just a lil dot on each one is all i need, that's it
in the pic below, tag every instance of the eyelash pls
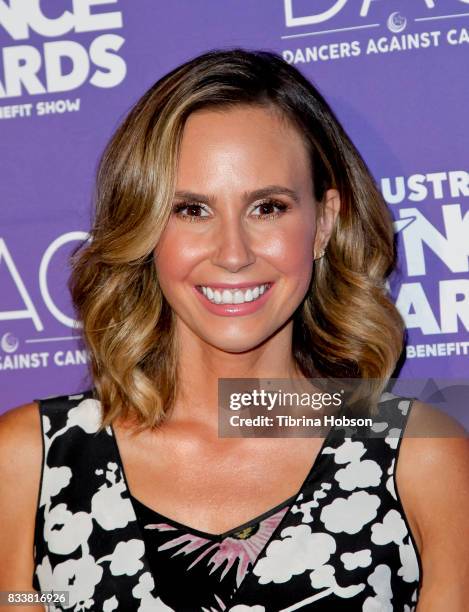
(177, 208)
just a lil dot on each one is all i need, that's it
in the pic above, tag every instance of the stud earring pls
(321, 254)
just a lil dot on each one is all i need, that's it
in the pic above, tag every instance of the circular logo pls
(396, 22)
(9, 343)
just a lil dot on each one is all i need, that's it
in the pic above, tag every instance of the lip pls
(230, 310)
(233, 287)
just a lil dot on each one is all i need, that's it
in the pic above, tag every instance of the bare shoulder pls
(20, 437)
(20, 473)
(433, 481)
(434, 456)
(25, 415)
(20, 430)
(427, 421)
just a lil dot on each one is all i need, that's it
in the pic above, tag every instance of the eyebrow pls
(247, 195)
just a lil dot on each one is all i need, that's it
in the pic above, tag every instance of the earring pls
(321, 254)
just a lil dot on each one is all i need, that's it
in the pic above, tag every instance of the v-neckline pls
(287, 513)
(216, 537)
(145, 559)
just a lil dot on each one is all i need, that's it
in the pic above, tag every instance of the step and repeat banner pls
(395, 72)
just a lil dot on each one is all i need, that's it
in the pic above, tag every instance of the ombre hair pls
(346, 327)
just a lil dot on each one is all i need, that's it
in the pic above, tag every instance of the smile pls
(237, 295)
(234, 301)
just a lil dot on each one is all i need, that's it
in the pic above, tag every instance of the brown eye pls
(194, 211)
(270, 209)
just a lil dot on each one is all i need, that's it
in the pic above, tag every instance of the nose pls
(232, 246)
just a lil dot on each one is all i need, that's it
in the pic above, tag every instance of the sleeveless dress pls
(341, 544)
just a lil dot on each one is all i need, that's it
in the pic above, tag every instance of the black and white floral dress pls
(341, 544)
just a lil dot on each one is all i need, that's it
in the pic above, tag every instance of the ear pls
(325, 220)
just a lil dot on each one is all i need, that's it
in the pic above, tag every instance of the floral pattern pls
(343, 543)
(187, 557)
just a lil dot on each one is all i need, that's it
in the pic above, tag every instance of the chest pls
(215, 487)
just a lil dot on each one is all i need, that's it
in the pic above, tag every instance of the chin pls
(236, 345)
(233, 347)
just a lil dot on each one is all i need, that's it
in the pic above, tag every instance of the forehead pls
(249, 143)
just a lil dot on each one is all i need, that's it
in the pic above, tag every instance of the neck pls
(202, 365)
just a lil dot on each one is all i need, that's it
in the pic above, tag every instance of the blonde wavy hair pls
(346, 327)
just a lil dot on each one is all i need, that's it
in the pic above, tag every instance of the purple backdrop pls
(395, 74)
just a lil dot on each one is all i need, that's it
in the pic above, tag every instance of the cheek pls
(175, 255)
(292, 249)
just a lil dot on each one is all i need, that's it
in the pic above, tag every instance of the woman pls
(238, 234)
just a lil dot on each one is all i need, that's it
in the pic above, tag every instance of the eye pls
(266, 205)
(194, 211)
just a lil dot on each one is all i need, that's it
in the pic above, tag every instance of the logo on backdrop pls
(433, 237)
(50, 50)
(341, 29)
(29, 345)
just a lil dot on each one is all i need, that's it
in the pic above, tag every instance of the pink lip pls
(231, 286)
(229, 310)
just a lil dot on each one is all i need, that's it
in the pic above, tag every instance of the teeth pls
(237, 296)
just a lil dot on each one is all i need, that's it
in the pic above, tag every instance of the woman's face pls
(243, 227)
